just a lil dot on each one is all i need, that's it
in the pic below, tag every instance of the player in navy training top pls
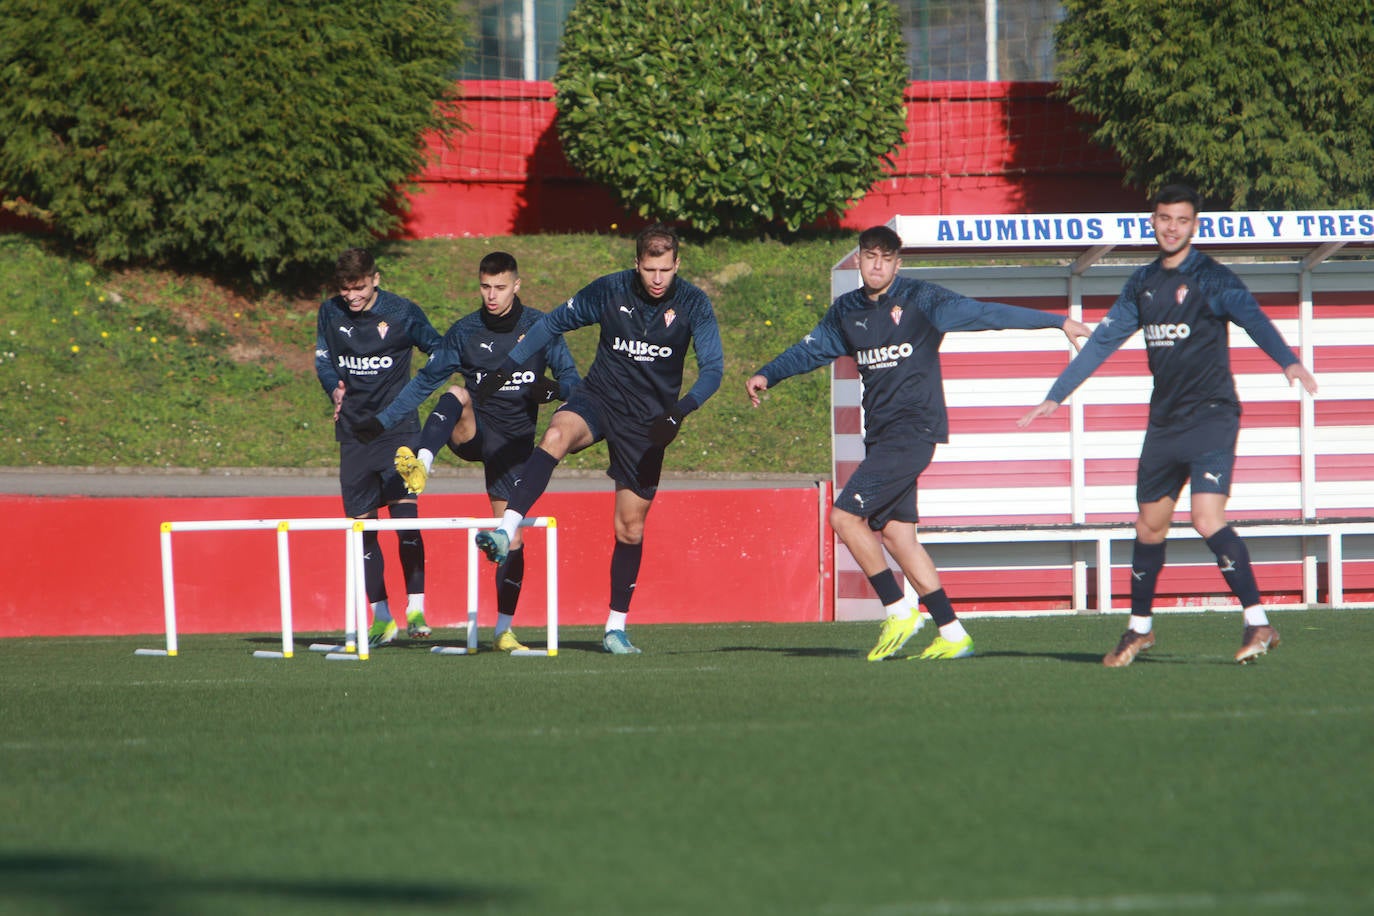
(648, 318)
(498, 433)
(1184, 301)
(364, 337)
(893, 327)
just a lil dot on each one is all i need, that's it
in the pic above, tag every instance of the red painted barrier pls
(968, 147)
(89, 566)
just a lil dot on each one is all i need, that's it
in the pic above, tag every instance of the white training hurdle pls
(355, 593)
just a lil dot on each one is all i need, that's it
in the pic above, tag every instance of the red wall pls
(88, 566)
(968, 148)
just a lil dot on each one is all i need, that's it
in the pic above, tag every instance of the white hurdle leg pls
(350, 596)
(359, 592)
(169, 610)
(284, 585)
(472, 589)
(552, 551)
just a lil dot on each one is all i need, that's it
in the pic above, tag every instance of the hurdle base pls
(162, 652)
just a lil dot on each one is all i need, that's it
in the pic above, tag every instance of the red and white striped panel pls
(1297, 457)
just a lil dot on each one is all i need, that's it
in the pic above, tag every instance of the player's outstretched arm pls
(1043, 409)
(1297, 372)
(756, 385)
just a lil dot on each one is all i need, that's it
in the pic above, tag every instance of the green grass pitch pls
(750, 769)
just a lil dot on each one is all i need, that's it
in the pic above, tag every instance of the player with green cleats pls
(416, 628)
(943, 648)
(897, 629)
(381, 633)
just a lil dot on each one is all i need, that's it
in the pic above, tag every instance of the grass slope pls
(730, 769)
(152, 368)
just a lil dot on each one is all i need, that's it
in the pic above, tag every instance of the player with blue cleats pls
(649, 319)
(495, 544)
(617, 643)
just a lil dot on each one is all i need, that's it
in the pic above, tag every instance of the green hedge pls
(255, 136)
(732, 114)
(1260, 104)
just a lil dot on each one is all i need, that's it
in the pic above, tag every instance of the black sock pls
(374, 568)
(439, 425)
(1233, 559)
(938, 604)
(534, 479)
(411, 547)
(885, 584)
(1146, 562)
(509, 577)
(625, 559)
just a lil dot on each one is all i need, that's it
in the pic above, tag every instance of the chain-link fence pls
(971, 40)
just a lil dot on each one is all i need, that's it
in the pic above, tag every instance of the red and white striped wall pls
(1299, 458)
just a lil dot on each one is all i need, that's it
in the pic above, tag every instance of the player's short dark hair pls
(654, 240)
(883, 238)
(1176, 194)
(498, 262)
(354, 264)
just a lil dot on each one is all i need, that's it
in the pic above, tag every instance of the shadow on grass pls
(1082, 658)
(81, 883)
(796, 651)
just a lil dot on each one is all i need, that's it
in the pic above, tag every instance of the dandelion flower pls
(75, 348)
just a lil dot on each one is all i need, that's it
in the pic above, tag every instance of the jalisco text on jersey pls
(1164, 335)
(640, 349)
(873, 356)
(364, 363)
(1094, 228)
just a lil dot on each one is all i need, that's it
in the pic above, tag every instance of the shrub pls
(255, 135)
(734, 114)
(1261, 105)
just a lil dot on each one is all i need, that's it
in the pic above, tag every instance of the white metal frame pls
(1103, 537)
(355, 593)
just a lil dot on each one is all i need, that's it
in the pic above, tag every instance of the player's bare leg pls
(631, 513)
(902, 619)
(902, 542)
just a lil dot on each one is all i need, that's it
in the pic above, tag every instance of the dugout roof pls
(1308, 236)
(1037, 254)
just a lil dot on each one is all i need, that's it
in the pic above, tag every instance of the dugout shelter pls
(1040, 520)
